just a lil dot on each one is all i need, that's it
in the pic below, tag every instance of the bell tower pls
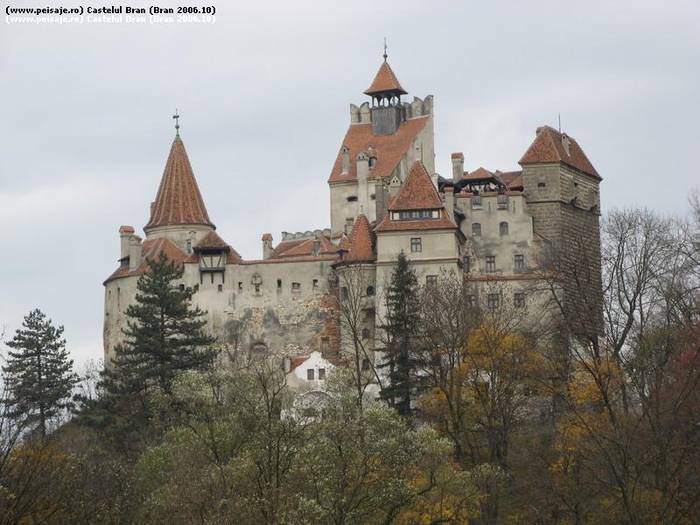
(387, 111)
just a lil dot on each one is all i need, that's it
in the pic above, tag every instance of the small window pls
(541, 185)
(490, 264)
(373, 197)
(503, 229)
(466, 264)
(257, 289)
(296, 287)
(352, 198)
(365, 364)
(476, 201)
(431, 281)
(502, 201)
(416, 245)
(240, 286)
(492, 301)
(365, 333)
(310, 374)
(370, 291)
(314, 283)
(321, 374)
(476, 229)
(279, 284)
(220, 288)
(519, 263)
(189, 245)
(182, 287)
(519, 300)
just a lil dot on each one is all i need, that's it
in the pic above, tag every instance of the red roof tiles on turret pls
(389, 149)
(550, 146)
(361, 242)
(385, 81)
(178, 200)
(417, 192)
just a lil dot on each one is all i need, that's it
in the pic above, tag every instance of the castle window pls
(189, 245)
(372, 162)
(431, 281)
(492, 301)
(279, 284)
(519, 300)
(296, 287)
(373, 197)
(471, 301)
(416, 245)
(490, 264)
(519, 263)
(314, 283)
(466, 263)
(502, 201)
(476, 201)
(321, 374)
(352, 198)
(325, 345)
(541, 185)
(365, 333)
(310, 374)
(503, 229)
(124, 262)
(220, 288)
(240, 286)
(182, 287)
(365, 364)
(349, 221)
(370, 291)
(476, 229)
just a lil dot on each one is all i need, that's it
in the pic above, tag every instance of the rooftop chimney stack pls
(125, 234)
(135, 252)
(457, 167)
(267, 245)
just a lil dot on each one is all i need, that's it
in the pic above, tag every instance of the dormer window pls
(414, 215)
(372, 162)
(212, 261)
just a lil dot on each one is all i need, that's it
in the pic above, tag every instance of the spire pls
(176, 116)
(385, 81)
(178, 200)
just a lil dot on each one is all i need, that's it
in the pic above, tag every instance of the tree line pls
(563, 411)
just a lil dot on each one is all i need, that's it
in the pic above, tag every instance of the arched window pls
(476, 229)
(503, 228)
(370, 290)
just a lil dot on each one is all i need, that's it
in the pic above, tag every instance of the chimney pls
(345, 160)
(135, 252)
(125, 233)
(379, 199)
(287, 364)
(267, 245)
(457, 167)
(450, 202)
(394, 186)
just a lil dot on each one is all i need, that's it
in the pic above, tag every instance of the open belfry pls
(385, 198)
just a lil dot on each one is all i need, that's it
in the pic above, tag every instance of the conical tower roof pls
(360, 242)
(385, 81)
(178, 200)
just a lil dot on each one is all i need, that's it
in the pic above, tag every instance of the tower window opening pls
(352, 198)
(541, 185)
(476, 229)
(490, 264)
(220, 288)
(503, 229)
(279, 284)
(240, 286)
(416, 245)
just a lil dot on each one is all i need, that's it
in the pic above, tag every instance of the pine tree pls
(164, 335)
(38, 374)
(401, 329)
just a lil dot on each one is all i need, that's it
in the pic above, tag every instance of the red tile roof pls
(417, 191)
(152, 248)
(178, 200)
(361, 242)
(212, 241)
(126, 229)
(389, 148)
(479, 173)
(548, 146)
(512, 179)
(303, 248)
(385, 80)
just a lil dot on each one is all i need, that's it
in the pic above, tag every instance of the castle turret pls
(178, 213)
(387, 111)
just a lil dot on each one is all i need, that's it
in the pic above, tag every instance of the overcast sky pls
(263, 95)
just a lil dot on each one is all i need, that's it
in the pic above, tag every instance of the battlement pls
(309, 234)
(362, 114)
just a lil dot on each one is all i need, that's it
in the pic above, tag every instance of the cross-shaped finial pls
(385, 46)
(176, 116)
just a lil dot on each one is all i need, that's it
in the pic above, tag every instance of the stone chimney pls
(380, 199)
(135, 252)
(457, 167)
(450, 202)
(287, 364)
(267, 245)
(362, 165)
(345, 160)
(125, 234)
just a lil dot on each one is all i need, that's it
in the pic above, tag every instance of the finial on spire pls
(176, 116)
(385, 53)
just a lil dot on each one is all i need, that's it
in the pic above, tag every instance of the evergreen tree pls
(38, 374)
(164, 335)
(401, 330)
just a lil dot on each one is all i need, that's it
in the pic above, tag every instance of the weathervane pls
(385, 54)
(176, 116)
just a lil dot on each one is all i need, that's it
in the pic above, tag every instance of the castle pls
(385, 198)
